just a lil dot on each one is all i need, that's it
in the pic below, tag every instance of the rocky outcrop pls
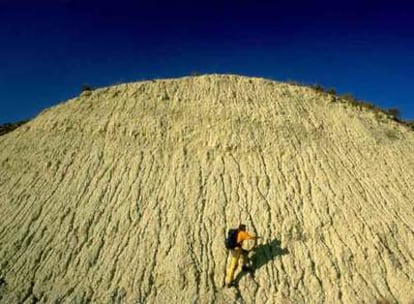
(125, 194)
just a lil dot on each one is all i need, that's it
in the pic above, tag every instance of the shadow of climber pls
(263, 254)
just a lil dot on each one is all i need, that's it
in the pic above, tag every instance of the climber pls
(234, 242)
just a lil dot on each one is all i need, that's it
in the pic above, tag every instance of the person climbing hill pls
(234, 242)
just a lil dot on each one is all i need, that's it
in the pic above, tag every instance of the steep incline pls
(124, 195)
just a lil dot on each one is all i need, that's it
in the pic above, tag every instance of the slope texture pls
(124, 195)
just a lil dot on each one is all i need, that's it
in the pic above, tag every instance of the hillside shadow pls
(263, 254)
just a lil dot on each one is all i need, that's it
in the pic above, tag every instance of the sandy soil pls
(125, 194)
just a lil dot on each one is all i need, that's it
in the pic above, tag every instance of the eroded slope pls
(124, 195)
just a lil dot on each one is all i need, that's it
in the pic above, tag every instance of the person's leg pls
(235, 255)
(245, 260)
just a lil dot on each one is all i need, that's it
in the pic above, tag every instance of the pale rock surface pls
(125, 194)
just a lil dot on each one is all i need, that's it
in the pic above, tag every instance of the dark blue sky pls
(48, 50)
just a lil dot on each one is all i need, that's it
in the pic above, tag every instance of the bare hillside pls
(125, 194)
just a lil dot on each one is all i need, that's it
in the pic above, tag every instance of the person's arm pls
(244, 236)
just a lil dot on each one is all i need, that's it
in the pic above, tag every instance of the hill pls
(124, 195)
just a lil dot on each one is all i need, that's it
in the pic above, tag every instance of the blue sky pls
(48, 50)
